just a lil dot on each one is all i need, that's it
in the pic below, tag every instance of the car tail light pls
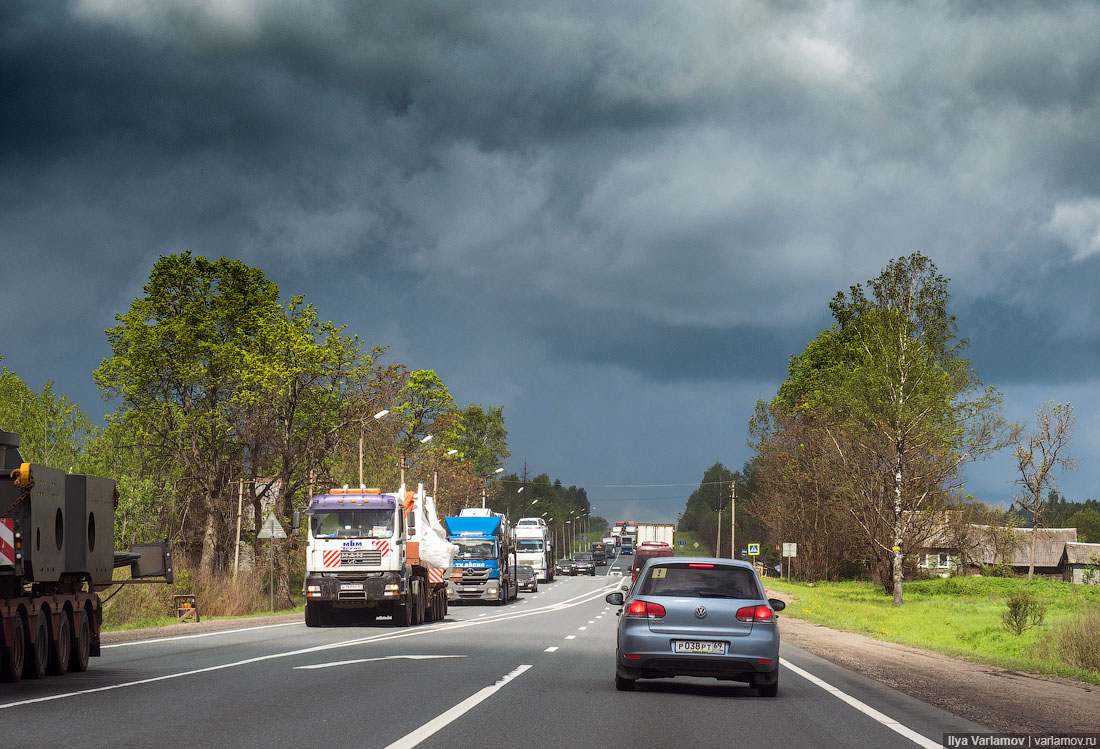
(644, 610)
(755, 614)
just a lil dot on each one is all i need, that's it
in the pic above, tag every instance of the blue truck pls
(484, 567)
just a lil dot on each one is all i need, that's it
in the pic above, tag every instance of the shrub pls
(1077, 641)
(997, 570)
(1024, 612)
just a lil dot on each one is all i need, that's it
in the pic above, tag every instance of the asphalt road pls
(535, 673)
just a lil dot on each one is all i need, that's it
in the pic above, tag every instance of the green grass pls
(689, 548)
(958, 616)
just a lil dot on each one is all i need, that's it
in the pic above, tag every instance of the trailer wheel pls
(82, 643)
(15, 650)
(61, 649)
(35, 666)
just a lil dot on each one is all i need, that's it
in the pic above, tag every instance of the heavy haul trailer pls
(56, 553)
(371, 554)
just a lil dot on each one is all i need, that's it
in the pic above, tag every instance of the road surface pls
(535, 673)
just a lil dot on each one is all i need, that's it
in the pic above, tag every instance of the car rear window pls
(719, 581)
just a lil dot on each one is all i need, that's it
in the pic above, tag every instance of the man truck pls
(56, 553)
(373, 554)
(485, 558)
(534, 547)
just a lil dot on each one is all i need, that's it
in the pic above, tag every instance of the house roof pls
(1078, 553)
(1049, 544)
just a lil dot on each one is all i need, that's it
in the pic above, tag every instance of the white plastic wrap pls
(436, 552)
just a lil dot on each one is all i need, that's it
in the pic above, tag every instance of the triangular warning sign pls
(271, 529)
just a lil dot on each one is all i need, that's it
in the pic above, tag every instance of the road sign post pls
(790, 551)
(271, 529)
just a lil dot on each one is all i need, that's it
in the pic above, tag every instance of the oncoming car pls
(565, 567)
(697, 616)
(527, 578)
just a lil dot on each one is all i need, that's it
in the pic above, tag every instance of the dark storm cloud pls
(643, 187)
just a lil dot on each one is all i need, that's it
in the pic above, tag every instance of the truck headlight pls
(492, 591)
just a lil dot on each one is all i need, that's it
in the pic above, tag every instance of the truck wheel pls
(35, 666)
(402, 612)
(15, 650)
(313, 614)
(82, 643)
(61, 649)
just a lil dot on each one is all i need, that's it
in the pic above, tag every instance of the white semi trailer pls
(535, 547)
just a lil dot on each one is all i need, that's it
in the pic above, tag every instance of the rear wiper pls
(716, 595)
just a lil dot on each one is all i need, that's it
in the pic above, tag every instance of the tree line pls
(228, 396)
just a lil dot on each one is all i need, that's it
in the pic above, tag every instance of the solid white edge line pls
(444, 719)
(886, 720)
(201, 634)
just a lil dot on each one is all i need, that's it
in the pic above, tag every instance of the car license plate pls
(702, 647)
(351, 586)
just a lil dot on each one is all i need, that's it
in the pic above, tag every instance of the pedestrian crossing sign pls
(754, 550)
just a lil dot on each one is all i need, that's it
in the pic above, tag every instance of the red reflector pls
(758, 660)
(638, 656)
(708, 566)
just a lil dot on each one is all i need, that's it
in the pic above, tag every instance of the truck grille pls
(367, 558)
(474, 575)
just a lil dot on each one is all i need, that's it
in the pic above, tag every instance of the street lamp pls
(381, 414)
(485, 481)
(435, 473)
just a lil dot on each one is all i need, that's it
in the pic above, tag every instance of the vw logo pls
(701, 612)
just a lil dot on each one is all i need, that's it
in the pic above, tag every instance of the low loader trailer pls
(57, 554)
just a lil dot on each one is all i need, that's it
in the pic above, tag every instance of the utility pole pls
(733, 510)
(718, 543)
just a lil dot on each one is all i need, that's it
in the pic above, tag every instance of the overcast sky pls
(617, 220)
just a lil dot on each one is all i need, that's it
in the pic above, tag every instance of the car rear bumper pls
(753, 658)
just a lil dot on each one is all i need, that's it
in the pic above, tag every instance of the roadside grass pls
(217, 597)
(689, 549)
(957, 616)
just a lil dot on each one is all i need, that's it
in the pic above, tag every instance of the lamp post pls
(380, 415)
(435, 473)
(484, 483)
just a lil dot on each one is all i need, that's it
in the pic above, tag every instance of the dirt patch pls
(1003, 700)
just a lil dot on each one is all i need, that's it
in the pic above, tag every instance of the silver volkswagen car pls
(698, 616)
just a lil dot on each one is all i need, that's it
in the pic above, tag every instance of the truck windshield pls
(468, 548)
(352, 524)
(528, 545)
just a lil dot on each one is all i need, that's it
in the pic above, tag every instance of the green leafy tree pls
(483, 439)
(1087, 523)
(175, 360)
(52, 429)
(894, 406)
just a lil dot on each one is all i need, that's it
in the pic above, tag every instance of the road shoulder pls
(1004, 700)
